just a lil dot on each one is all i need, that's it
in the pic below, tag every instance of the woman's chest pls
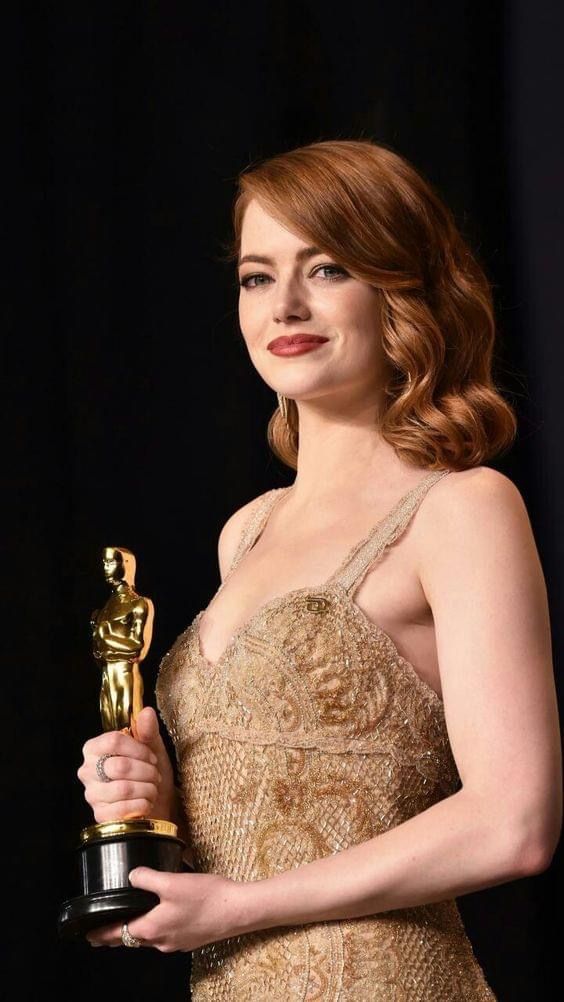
(308, 668)
(389, 596)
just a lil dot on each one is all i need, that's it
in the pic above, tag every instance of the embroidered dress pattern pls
(308, 735)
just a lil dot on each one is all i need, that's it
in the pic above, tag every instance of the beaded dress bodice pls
(311, 734)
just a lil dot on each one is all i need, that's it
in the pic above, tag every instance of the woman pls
(364, 716)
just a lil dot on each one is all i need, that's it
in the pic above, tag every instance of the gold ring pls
(126, 937)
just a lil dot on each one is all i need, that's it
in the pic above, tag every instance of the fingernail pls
(154, 758)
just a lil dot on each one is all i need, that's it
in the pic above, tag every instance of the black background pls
(132, 414)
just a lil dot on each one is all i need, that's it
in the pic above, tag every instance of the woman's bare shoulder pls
(469, 509)
(232, 530)
(466, 491)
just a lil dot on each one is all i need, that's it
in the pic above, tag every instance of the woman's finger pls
(117, 743)
(120, 767)
(121, 790)
(123, 810)
(107, 935)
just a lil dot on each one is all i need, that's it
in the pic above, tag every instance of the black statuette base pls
(107, 896)
(89, 911)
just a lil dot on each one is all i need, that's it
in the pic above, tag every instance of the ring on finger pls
(126, 937)
(100, 771)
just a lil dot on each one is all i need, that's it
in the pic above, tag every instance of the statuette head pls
(119, 565)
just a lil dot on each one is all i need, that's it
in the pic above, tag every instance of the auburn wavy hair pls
(382, 221)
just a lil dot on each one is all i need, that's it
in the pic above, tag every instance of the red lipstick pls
(295, 344)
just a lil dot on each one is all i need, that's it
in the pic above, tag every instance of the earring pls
(283, 406)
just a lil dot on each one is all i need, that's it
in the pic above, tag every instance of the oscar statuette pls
(121, 636)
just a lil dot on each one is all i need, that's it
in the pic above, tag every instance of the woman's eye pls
(332, 267)
(339, 273)
(245, 282)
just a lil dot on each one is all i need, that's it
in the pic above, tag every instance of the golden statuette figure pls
(107, 851)
(121, 636)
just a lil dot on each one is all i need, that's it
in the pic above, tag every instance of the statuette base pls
(106, 855)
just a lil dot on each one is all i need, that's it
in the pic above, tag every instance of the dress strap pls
(357, 562)
(255, 524)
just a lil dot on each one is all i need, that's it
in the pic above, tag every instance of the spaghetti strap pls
(357, 562)
(255, 524)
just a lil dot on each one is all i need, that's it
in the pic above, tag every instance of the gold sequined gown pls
(308, 735)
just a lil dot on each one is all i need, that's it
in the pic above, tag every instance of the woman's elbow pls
(536, 858)
(537, 848)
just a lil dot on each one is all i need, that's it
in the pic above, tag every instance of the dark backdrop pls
(132, 413)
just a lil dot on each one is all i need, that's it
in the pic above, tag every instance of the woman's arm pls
(481, 573)
(480, 570)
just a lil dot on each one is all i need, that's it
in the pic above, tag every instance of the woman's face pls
(308, 294)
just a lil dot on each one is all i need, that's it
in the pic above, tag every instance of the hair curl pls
(385, 224)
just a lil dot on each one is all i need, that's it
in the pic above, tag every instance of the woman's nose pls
(290, 302)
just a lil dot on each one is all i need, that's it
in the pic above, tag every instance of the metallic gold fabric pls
(308, 735)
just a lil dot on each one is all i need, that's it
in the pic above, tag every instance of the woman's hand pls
(194, 909)
(140, 773)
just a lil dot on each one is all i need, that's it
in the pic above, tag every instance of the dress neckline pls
(334, 590)
(272, 499)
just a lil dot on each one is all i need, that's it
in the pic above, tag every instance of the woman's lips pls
(296, 349)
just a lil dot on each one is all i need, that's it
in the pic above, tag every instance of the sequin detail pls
(311, 734)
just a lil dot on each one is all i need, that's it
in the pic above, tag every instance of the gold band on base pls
(137, 826)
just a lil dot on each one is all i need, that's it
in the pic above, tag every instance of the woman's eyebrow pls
(263, 259)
